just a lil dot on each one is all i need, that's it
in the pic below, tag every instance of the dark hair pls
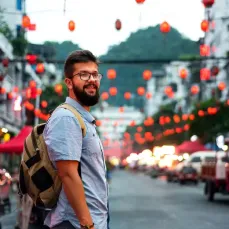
(78, 56)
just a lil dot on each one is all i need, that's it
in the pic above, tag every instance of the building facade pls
(12, 11)
(217, 41)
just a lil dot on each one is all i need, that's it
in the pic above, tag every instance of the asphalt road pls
(138, 202)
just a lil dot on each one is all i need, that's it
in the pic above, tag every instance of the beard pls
(84, 98)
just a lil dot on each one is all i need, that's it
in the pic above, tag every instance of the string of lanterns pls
(164, 27)
(163, 120)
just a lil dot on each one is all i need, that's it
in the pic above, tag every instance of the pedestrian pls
(83, 201)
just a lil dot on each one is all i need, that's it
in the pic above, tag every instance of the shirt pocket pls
(91, 146)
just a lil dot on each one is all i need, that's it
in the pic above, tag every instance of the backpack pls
(38, 177)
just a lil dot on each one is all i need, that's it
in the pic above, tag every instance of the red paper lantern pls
(183, 73)
(58, 88)
(140, 1)
(147, 74)
(44, 103)
(221, 86)
(71, 25)
(98, 123)
(118, 24)
(205, 50)
(113, 91)
(121, 109)
(10, 95)
(127, 95)
(161, 120)
(111, 74)
(40, 68)
(33, 92)
(204, 25)
(5, 62)
(141, 91)
(25, 21)
(208, 3)
(192, 117)
(105, 95)
(32, 84)
(16, 89)
(150, 121)
(2, 90)
(205, 74)
(39, 91)
(212, 110)
(168, 90)
(176, 118)
(148, 95)
(132, 123)
(195, 89)
(37, 112)
(201, 113)
(31, 59)
(165, 27)
(214, 71)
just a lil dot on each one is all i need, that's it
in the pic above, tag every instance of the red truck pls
(215, 173)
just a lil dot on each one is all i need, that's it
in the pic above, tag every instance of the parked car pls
(172, 174)
(188, 174)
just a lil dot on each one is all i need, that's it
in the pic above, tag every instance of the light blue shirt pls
(63, 137)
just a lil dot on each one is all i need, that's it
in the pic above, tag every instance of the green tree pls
(209, 126)
(52, 97)
(4, 28)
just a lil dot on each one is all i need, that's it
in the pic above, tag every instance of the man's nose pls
(92, 79)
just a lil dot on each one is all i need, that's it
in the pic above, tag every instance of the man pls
(83, 201)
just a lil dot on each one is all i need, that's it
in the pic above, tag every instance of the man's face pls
(86, 91)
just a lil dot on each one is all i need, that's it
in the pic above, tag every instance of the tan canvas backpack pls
(38, 178)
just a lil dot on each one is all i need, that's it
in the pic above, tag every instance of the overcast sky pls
(95, 20)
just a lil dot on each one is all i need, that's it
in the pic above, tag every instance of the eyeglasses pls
(85, 76)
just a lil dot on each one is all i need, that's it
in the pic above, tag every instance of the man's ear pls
(68, 83)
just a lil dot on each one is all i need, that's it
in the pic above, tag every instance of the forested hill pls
(147, 43)
(150, 43)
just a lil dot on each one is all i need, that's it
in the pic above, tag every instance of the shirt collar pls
(80, 109)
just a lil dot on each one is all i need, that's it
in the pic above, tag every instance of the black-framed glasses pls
(85, 76)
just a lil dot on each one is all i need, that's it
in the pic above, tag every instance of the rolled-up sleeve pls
(63, 137)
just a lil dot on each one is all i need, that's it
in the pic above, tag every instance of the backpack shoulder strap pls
(77, 115)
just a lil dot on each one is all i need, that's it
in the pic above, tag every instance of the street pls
(137, 201)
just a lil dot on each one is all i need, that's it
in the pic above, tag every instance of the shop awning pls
(190, 147)
(15, 145)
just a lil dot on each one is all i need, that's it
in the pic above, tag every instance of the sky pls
(95, 20)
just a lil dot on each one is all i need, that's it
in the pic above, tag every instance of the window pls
(210, 159)
(19, 4)
(188, 170)
(196, 159)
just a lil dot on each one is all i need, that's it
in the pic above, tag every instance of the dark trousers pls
(64, 225)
